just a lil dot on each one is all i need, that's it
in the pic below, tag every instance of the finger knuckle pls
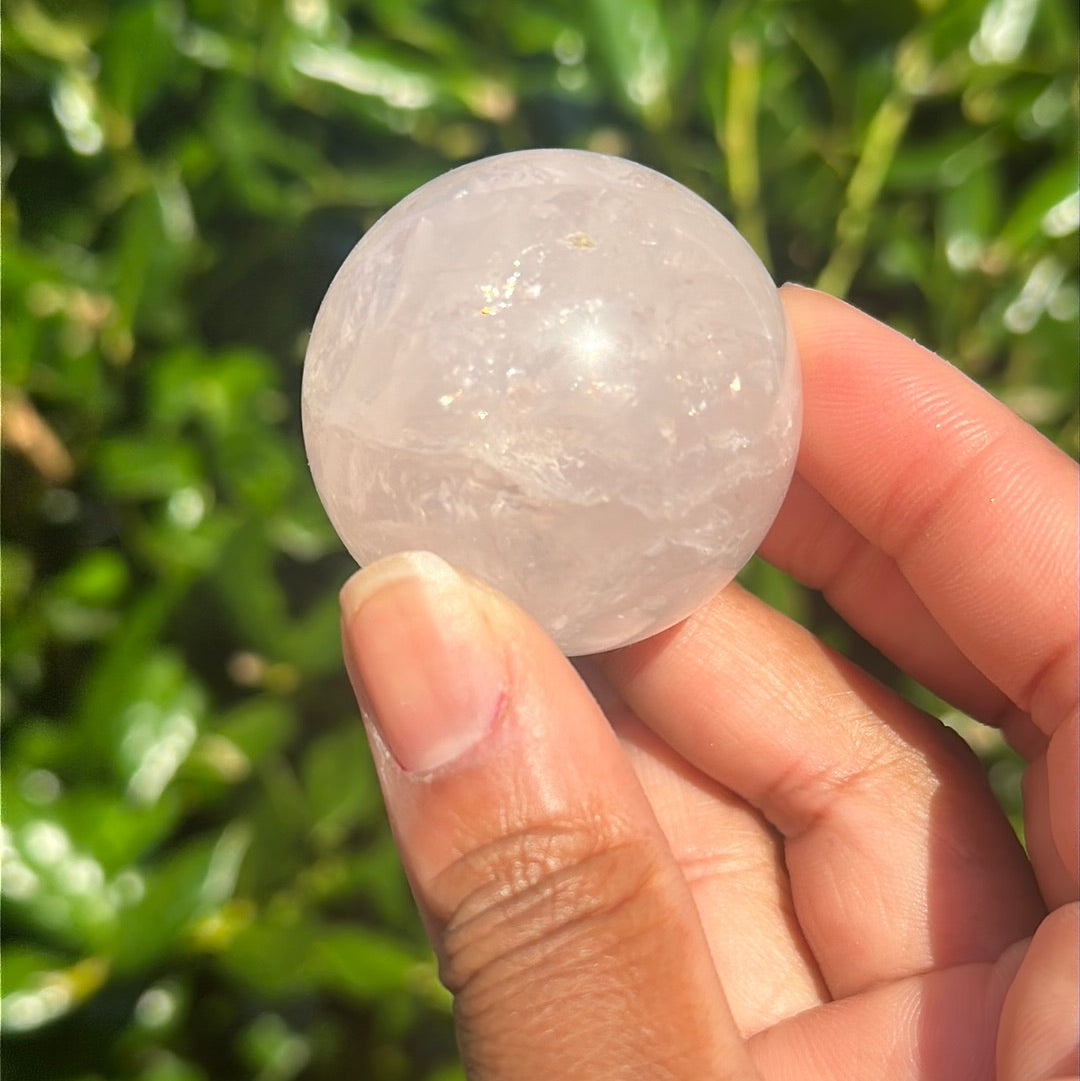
(546, 906)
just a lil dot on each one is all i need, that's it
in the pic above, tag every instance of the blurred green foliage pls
(197, 880)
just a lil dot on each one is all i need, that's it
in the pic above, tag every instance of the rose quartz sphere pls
(566, 374)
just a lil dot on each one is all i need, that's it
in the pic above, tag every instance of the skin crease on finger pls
(733, 861)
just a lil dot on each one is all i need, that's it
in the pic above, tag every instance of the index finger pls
(977, 510)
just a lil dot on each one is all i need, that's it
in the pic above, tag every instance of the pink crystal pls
(566, 374)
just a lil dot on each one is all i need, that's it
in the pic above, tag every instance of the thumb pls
(561, 922)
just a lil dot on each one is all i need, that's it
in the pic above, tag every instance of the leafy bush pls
(198, 881)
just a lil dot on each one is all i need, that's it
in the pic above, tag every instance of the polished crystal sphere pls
(566, 374)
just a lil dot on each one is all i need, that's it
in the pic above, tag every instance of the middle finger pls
(733, 863)
(898, 855)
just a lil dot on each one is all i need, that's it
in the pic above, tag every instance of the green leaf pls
(257, 467)
(969, 215)
(16, 577)
(777, 589)
(146, 467)
(56, 887)
(47, 994)
(273, 959)
(258, 727)
(152, 733)
(220, 390)
(339, 783)
(189, 883)
(250, 586)
(275, 1050)
(77, 604)
(97, 578)
(96, 820)
(285, 959)
(138, 58)
(1027, 226)
(631, 36)
(22, 966)
(128, 649)
(362, 965)
(165, 1066)
(143, 250)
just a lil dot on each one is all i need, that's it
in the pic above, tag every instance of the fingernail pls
(431, 673)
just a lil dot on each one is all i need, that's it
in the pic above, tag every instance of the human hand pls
(762, 863)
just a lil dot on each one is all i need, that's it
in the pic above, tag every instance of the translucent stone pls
(566, 374)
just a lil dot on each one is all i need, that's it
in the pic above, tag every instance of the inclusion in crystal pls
(566, 374)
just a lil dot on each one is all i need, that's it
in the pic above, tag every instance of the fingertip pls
(428, 670)
(795, 293)
(401, 566)
(825, 325)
